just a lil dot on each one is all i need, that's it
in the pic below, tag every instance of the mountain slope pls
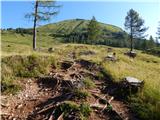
(77, 29)
(67, 26)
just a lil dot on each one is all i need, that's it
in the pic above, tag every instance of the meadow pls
(17, 49)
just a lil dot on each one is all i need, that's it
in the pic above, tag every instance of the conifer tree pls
(93, 30)
(44, 10)
(135, 26)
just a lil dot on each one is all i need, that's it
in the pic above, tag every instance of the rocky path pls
(40, 96)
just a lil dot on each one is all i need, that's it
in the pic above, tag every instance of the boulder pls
(110, 57)
(133, 81)
(87, 53)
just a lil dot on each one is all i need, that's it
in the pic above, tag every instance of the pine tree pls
(93, 30)
(157, 42)
(135, 25)
(158, 31)
(43, 11)
(151, 43)
(145, 44)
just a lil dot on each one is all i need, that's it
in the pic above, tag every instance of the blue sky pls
(12, 12)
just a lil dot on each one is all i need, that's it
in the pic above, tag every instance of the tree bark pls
(34, 27)
(131, 37)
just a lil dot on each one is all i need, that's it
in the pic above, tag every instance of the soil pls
(40, 96)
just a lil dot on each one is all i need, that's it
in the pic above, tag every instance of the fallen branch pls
(60, 117)
(45, 109)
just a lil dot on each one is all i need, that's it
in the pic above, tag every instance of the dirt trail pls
(40, 96)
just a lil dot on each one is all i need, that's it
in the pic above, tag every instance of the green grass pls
(18, 66)
(82, 111)
(17, 49)
(89, 83)
(81, 94)
(13, 43)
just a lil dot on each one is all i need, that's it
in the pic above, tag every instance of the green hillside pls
(67, 26)
(50, 34)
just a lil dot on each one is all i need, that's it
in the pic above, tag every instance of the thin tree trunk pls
(131, 42)
(34, 27)
(131, 37)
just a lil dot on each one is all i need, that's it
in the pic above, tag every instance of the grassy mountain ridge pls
(69, 25)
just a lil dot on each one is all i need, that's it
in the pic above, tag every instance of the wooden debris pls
(109, 101)
(60, 117)
(51, 116)
(45, 109)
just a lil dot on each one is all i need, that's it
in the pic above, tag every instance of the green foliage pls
(45, 10)
(154, 51)
(23, 31)
(135, 25)
(88, 83)
(151, 43)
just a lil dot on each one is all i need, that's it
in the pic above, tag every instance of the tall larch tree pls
(134, 24)
(44, 10)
